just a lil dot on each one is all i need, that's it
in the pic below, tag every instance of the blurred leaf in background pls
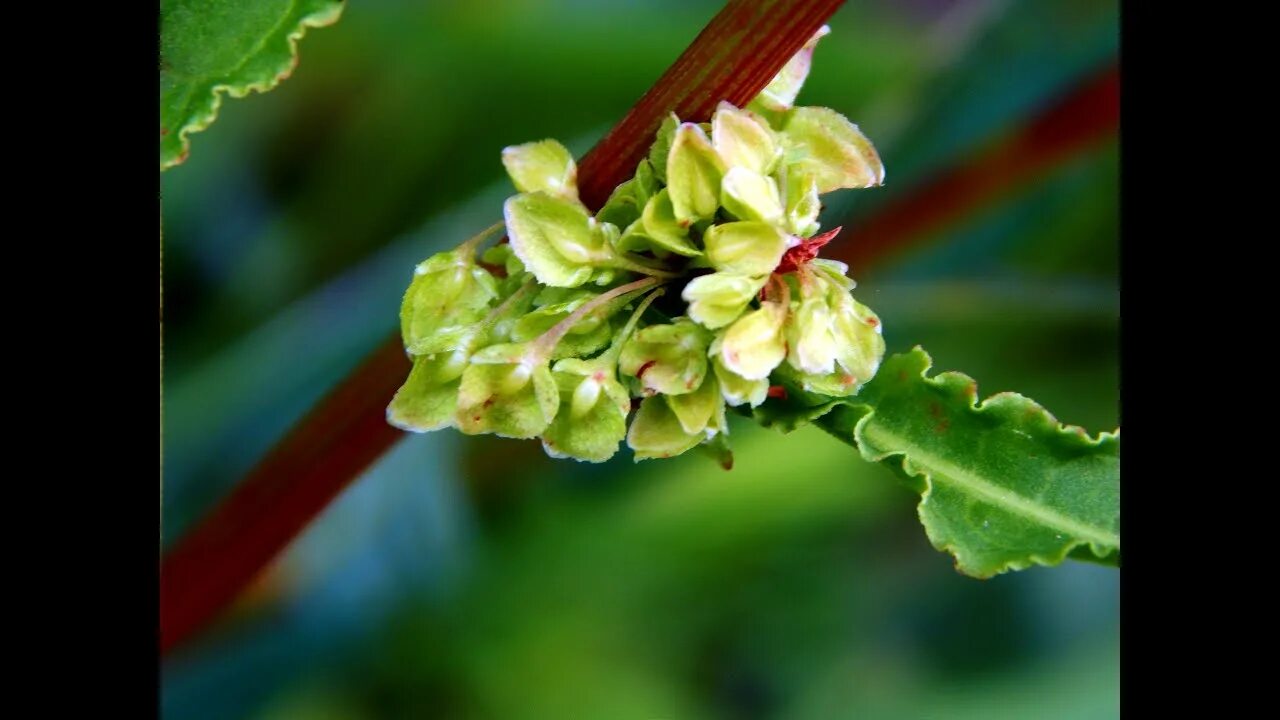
(474, 577)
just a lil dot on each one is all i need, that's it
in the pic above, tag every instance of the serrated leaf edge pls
(1101, 544)
(200, 122)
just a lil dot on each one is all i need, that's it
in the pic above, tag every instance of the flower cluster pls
(552, 334)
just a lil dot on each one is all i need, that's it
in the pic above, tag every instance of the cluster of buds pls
(556, 333)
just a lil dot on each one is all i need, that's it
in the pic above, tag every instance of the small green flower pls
(448, 290)
(508, 389)
(736, 389)
(542, 166)
(744, 140)
(701, 411)
(802, 202)
(661, 149)
(594, 404)
(694, 173)
(745, 248)
(823, 143)
(717, 299)
(656, 431)
(663, 229)
(560, 243)
(754, 344)
(428, 399)
(670, 358)
(811, 340)
(748, 195)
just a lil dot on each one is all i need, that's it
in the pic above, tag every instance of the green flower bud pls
(622, 208)
(744, 140)
(428, 399)
(503, 256)
(669, 359)
(593, 418)
(661, 148)
(555, 239)
(754, 344)
(694, 172)
(560, 243)
(586, 336)
(662, 228)
(745, 248)
(448, 291)
(834, 273)
(507, 390)
(780, 93)
(803, 204)
(718, 299)
(646, 183)
(737, 389)
(701, 411)
(858, 337)
(748, 195)
(542, 166)
(656, 432)
(811, 337)
(823, 143)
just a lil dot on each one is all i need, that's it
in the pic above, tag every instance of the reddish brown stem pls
(734, 57)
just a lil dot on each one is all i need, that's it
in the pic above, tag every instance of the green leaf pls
(1003, 484)
(209, 48)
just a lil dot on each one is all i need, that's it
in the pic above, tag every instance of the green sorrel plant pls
(698, 287)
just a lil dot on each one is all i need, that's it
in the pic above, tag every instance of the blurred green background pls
(476, 578)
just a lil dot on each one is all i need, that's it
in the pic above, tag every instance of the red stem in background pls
(1077, 121)
(734, 57)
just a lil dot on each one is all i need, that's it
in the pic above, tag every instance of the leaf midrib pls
(947, 472)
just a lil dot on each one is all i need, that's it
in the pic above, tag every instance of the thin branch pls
(734, 57)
